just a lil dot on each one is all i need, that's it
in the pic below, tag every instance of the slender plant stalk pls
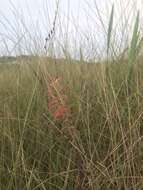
(110, 28)
(133, 50)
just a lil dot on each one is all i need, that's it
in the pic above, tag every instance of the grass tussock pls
(69, 126)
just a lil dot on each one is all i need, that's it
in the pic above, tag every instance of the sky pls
(77, 21)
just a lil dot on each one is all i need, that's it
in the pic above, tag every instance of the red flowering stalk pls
(59, 108)
(57, 103)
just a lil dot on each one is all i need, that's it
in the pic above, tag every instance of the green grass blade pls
(110, 27)
(133, 51)
(134, 42)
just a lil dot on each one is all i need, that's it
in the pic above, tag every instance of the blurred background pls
(81, 26)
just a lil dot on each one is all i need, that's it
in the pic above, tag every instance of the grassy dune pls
(96, 145)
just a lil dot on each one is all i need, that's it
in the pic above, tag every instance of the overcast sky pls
(78, 17)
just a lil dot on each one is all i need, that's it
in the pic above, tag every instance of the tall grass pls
(134, 48)
(110, 30)
(67, 124)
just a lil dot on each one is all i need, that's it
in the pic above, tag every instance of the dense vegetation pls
(96, 144)
(69, 124)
